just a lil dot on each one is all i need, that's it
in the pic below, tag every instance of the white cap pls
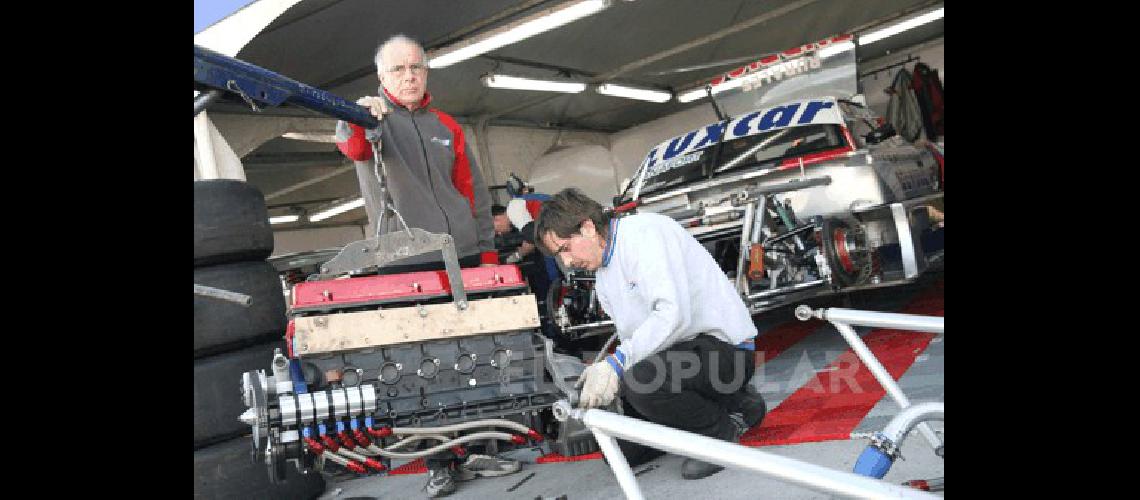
(517, 212)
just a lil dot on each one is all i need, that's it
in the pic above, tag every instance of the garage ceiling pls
(330, 44)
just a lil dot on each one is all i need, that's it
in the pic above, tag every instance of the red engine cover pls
(401, 287)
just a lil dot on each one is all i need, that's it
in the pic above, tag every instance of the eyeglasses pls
(416, 69)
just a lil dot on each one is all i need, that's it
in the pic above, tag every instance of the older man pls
(434, 184)
(431, 172)
(682, 361)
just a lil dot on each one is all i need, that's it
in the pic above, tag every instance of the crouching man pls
(682, 361)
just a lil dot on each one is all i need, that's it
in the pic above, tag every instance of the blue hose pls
(299, 385)
(873, 463)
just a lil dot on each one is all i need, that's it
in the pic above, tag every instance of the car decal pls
(792, 114)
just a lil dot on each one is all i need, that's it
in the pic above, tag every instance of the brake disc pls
(847, 252)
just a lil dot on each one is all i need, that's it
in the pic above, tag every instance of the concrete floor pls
(781, 376)
(660, 478)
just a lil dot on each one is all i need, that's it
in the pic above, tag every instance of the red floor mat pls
(771, 343)
(832, 404)
(554, 458)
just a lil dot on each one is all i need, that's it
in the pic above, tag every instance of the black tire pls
(217, 392)
(227, 471)
(231, 223)
(220, 325)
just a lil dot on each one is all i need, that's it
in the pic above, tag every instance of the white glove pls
(513, 258)
(599, 383)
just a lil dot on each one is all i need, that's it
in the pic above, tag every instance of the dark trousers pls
(691, 386)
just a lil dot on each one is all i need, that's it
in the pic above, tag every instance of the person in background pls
(508, 238)
(500, 220)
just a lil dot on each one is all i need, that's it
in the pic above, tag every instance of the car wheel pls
(222, 325)
(226, 471)
(231, 222)
(217, 391)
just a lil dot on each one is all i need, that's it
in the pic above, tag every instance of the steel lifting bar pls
(257, 84)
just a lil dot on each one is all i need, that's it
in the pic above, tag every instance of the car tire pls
(227, 471)
(217, 391)
(231, 223)
(221, 325)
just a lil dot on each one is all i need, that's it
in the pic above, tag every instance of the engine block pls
(375, 356)
(443, 381)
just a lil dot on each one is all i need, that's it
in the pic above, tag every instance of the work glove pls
(599, 384)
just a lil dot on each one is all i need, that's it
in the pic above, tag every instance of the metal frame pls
(607, 426)
(382, 250)
(844, 318)
(756, 201)
(911, 253)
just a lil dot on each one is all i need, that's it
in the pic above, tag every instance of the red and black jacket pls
(431, 176)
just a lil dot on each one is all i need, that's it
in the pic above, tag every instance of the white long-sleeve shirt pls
(661, 287)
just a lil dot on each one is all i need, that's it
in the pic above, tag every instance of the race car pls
(809, 197)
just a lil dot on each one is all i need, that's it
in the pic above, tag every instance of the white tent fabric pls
(229, 35)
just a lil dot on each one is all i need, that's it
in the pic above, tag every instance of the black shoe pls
(485, 466)
(692, 468)
(750, 405)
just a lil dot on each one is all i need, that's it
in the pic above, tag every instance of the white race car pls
(808, 197)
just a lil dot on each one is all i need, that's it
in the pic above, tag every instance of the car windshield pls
(760, 150)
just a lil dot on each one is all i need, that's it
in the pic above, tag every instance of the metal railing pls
(607, 426)
(844, 318)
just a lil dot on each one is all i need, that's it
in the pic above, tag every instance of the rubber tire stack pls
(232, 239)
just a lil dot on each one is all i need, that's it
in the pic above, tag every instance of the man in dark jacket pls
(431, 172)
(435, 185)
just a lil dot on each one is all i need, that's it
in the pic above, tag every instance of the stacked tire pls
(232, 239)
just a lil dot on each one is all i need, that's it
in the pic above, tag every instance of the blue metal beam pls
(267, 88)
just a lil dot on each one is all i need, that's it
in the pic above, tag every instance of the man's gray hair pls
(400, 38)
